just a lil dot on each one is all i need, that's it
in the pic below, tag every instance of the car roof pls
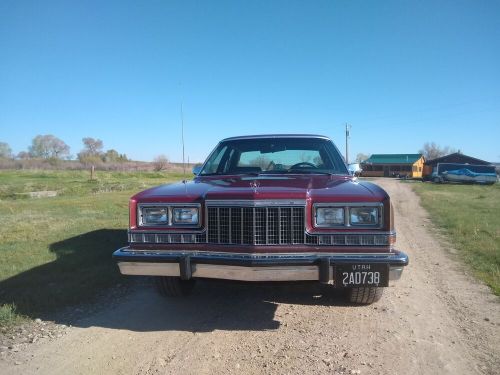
(270, 136)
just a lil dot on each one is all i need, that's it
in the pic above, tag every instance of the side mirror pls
(196, 170)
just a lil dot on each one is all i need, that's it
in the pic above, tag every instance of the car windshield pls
(275, 155)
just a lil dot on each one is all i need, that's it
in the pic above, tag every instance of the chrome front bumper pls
(249, 267)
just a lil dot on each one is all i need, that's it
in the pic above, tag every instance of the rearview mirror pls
(269, 148)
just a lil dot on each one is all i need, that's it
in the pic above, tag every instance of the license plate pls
(361, 274)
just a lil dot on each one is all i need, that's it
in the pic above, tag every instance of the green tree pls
(123, 157)
(111, 156)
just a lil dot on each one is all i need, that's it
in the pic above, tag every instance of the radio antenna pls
(347, 136)
(182, 133)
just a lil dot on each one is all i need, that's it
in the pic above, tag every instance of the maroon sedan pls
(266, 208)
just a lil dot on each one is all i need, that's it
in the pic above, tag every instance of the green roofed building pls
(393, 165)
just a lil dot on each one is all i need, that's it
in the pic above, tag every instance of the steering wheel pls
(303, 164)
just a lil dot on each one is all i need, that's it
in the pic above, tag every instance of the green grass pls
(470, 216)
(77, 183)
(8, 315)
(56, 252)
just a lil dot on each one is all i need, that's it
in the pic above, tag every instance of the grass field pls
(56, 252)
(470, 217)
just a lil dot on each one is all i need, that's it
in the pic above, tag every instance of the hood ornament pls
(254, 185)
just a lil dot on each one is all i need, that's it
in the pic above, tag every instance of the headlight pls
(329, 216)
(185, 215)
(154, 216)
(171, 215)
(364, 216)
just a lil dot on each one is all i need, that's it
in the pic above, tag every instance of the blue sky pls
(400, 72)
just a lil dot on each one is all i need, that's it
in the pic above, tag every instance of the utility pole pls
(182, 130)
(347, 135)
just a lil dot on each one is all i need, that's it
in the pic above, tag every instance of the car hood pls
(318, 188)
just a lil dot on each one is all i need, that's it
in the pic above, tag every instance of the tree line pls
(430, 150)
(49, 147)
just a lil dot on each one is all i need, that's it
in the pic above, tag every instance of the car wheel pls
(364, 295)
(170, 286)
(437, 180)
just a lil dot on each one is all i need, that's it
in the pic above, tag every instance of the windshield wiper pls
(279, 171)
(232, 174)
(302, 171)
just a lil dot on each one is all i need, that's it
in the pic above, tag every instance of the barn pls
(391, 165)
(456, 157)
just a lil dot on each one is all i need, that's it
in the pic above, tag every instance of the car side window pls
(213, 163)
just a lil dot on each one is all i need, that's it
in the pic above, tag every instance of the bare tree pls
(23, 155)
(261, 161)
(304, 158)
(160, 163)
(92, 151)
(432, 150)
(317, 160)
(5, 151)
(361, 157)
(48, 147)
(92, 146)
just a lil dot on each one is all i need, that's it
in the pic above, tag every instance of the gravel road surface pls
(435, 320)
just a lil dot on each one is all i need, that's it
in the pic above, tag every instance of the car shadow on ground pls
(84, 271)
(81, 269)
(214, 305)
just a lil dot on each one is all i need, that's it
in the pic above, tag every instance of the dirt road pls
(436, 320)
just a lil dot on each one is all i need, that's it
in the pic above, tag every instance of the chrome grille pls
(273, 237)
(255, 225)
(166, 238)
(349, 240)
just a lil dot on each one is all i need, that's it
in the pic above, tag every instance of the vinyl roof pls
(392, 159)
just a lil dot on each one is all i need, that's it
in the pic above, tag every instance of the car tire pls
(364, 295)
(170, 286)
